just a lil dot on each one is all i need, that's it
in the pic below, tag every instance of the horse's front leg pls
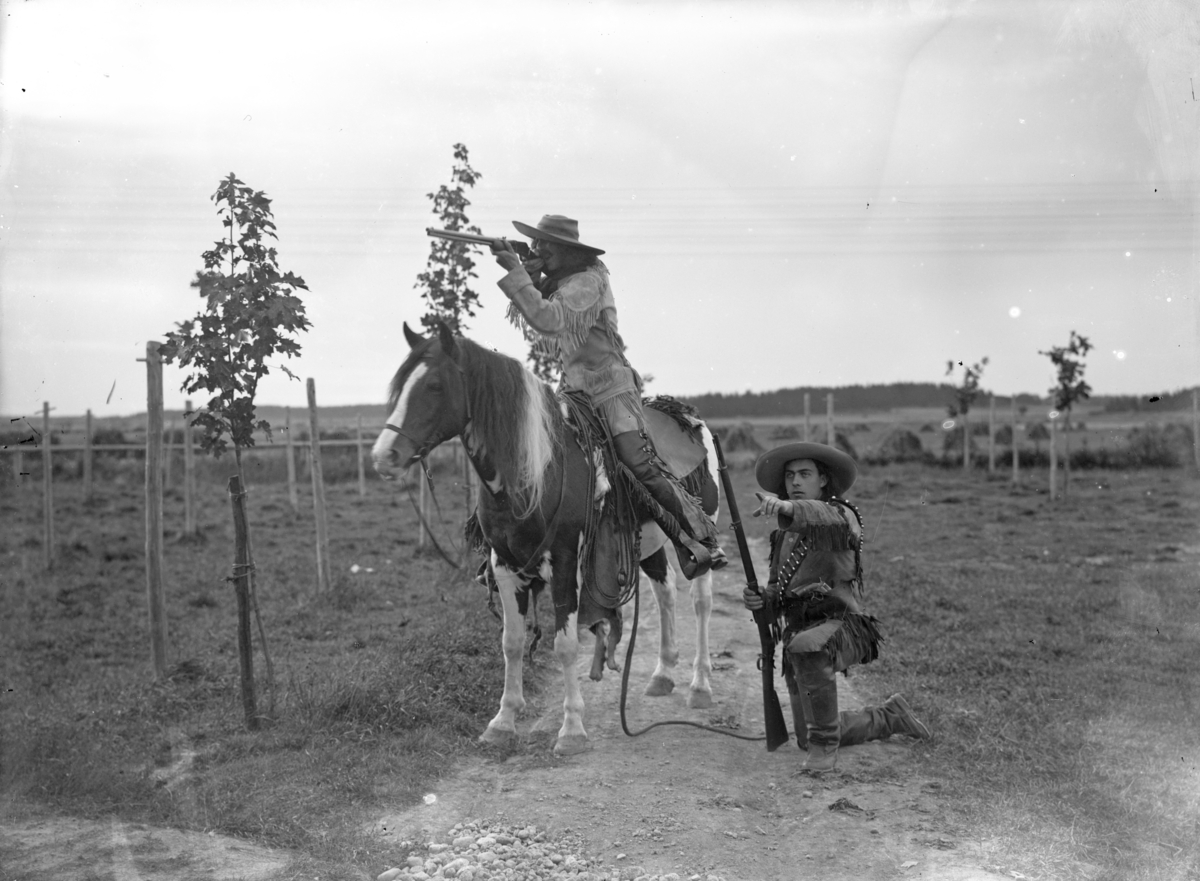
(700, 694)
(662, 580)
(503, 727)
(572, 738)
(564, 589)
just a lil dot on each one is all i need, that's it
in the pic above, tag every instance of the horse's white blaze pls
(566, 649)
(383, 444)
(512, 701)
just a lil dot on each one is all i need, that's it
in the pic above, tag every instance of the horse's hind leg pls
(700, 694)
(662, 579)
(503, 728)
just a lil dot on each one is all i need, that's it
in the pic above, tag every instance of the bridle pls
(422, 449)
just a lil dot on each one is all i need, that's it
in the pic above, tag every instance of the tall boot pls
(817, 683)
(800, 715)
(698, 546)
(880, 723)
(900, 718)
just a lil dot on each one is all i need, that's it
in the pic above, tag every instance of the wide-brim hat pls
(556, 228)
(768, 470)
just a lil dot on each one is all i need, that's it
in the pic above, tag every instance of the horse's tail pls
(712, 468)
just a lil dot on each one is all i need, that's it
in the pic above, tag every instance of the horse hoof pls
(699, 700)
(572, 745)
(659, 686)
(497, 736)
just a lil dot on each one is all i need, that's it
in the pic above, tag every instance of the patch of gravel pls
(492, 851)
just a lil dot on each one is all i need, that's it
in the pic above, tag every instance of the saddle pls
(622, 503)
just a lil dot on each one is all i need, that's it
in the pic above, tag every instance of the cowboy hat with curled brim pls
(768, 470)
(556, 228)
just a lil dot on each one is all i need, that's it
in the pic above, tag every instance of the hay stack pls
(900, 445)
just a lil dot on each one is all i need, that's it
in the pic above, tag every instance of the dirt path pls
(682, 800)
(674, 800)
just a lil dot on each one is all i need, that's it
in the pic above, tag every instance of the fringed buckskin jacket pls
(816, 563)
(575, 320)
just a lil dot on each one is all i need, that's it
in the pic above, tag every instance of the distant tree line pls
(897, 395)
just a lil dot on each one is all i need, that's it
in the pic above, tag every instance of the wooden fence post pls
(1196, 425)
(47, 490)
(167, 450)
(1016, 452)
(293, 497)
(324, 570)
(241, 584)
(189, 473)
(88, 486)
(423, 507)
(830, 435)
(807, 415)
(358, 448)
(992, 434)
(468, 478)
(154, 520)
(1053, 456)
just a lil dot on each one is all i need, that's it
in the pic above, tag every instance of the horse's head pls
(427, 402)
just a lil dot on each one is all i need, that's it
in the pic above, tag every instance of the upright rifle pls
(777, 733)
(522, 250)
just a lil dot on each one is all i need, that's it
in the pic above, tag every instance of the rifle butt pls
(777, 733)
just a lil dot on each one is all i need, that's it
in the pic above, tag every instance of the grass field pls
(1051, 646)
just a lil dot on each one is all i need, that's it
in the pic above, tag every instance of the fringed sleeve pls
(821, 526)
(572, 312)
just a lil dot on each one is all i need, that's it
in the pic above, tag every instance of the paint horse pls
(532, 507)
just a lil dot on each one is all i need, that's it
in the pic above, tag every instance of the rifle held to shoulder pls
(777, 733)
(522, 250)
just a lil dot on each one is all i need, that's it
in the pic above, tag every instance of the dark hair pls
(577, 259)
(827, 492)
(574, 260)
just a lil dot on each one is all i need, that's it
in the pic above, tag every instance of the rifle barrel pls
(456, 236)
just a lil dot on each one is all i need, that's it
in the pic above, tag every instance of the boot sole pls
(906, 713)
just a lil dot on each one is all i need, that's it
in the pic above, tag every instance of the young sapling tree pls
(1070, 388)
(445, 285)
(251, 314)
(964, 397)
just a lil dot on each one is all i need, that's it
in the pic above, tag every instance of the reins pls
(424, 522)
(625, 686)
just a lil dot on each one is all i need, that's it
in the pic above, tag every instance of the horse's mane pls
(514, 416)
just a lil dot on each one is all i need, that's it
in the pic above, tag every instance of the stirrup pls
(694, 559)
(719, 560)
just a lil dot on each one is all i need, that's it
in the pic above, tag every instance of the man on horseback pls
(816, 584)
(562, 299)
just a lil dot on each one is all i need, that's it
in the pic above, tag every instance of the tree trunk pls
(1067, 453)
(966, 442)
(241, 586)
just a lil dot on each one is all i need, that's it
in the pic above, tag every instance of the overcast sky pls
(789, 194)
